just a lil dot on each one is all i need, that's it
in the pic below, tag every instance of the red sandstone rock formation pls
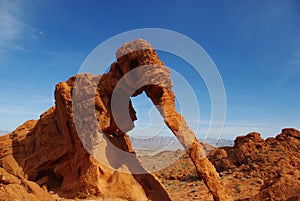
(55, 154)
(80, 148)
(144, 71)
(275, 160)
(49, 153)
(252, 170)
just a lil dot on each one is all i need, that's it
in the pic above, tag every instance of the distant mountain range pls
(2, 132)
(164, 142)
(171, 143)
(218, 142)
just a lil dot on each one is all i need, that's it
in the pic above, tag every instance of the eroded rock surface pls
(145, 72)
(56, 153)
(80, 148)
(253, 169)
(73, 150)
(276, 161)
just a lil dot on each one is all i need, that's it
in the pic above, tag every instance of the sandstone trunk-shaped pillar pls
(205, 169)
(147, 73)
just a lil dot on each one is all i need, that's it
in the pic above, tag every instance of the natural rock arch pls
(51, 152)
(141, 70)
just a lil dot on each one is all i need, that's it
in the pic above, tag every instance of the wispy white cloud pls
(295, 58)
(16, 109)
(2, 132)
(38, 99)
(291, 70)
(31, 105)
(13, 26)
(229, 129)
(235, 128)
(296, 61)
(19, 112)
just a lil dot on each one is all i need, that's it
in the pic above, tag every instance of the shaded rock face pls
(275, 160)
(80, 148)
(55, 153)
(143, 71)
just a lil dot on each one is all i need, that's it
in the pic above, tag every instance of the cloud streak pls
(295, 58)
(13, 26)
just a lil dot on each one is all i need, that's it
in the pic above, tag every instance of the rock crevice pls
(59, 152)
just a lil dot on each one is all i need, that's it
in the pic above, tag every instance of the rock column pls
(153, 78)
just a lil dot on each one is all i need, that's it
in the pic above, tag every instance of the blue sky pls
(254, 44)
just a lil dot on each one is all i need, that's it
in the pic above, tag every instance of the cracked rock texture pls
(80, 149)
(56, 156)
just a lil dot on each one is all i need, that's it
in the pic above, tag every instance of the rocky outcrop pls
(80, 148)
(143, 71)
(275, 160)
(253, 169)
(57, 152)
(47, 155)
